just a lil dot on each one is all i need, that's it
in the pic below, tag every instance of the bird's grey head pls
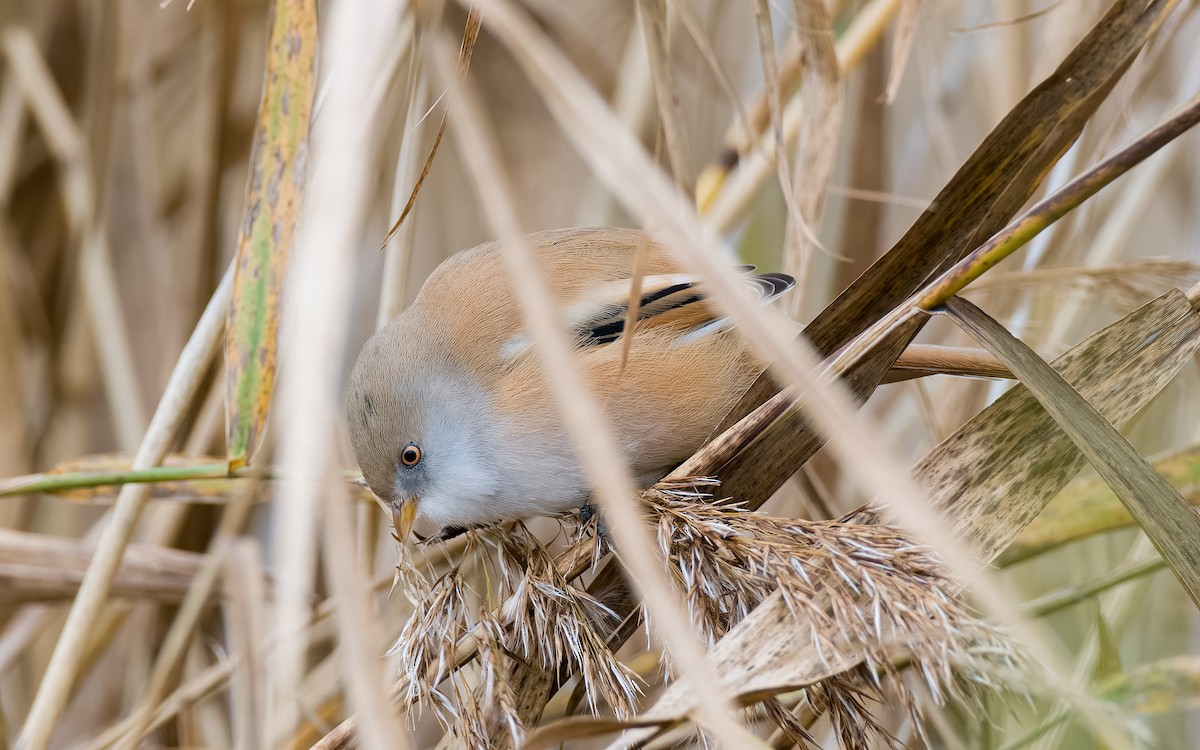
(421, 430)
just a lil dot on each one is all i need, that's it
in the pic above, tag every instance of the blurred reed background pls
(125, 151)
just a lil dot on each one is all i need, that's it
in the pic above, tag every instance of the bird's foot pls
(586, 514)
(444, 534)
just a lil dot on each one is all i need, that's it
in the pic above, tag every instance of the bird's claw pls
(586, 514)
(444, 534)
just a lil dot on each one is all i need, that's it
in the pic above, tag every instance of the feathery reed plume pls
(863, 584)
(860, 582)
(552, 624)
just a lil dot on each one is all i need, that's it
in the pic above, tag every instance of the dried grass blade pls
(991, 186)
(906, 29)
(470, 36)
(652, 14)
(273, 197)
(1167, 518)
(821, 105)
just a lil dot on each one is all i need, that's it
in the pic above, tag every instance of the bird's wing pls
(674, 300)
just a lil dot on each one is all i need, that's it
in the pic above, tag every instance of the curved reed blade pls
(1167, 518)
(273, 199)
(1087, 507)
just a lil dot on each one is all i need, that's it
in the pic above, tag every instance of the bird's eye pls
(411, 455)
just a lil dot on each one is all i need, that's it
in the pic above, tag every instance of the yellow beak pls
(404, 513)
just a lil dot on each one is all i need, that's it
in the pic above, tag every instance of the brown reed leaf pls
(474, 25)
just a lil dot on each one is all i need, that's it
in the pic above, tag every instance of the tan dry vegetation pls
(165, 582)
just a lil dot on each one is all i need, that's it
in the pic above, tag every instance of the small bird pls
(453, 420)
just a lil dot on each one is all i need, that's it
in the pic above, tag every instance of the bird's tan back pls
(661, 404)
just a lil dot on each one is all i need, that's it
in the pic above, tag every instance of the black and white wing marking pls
(601, 318)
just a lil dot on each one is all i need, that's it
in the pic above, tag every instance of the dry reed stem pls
(69, 147)
(816, 152)
(753, 169)
(602, 463)
(343, 139)
(243, 578)
(34, 567)
(652, 16)
(187, 619)
(177, 396)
